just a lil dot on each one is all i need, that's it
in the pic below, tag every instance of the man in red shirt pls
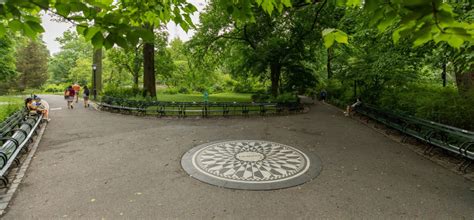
(77, 89)
(69, 95)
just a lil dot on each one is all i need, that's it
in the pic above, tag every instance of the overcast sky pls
(54, 29)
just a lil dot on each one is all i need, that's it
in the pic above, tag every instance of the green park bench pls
(11, 122)
(16, 135)
(455, 140)
(204, 109)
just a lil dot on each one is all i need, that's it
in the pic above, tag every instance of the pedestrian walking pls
(69, 95)
(85, 96)
(77, 89)
(323, 95)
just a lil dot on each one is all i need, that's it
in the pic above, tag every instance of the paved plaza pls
(101, 165)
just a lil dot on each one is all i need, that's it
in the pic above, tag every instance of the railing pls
(455, 140)
(16, 134)
(204, 109)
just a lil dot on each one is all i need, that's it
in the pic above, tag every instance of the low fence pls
(16, 133)
(204, 109)
(455, 140)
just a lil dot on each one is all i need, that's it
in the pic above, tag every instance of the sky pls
(54, 29)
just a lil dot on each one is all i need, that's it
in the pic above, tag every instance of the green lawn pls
(220, 97)
(9, 104)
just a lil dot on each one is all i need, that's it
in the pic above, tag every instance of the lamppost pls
(94, 89)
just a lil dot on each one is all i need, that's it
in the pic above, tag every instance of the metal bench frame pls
(452, 139)
(16, 140)
(204, 109)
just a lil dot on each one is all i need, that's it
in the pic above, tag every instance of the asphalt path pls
(101, 165)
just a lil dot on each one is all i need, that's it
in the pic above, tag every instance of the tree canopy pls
(105, 22)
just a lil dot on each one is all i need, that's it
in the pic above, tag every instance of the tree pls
(32, 65)
(73, 48)
(81, 72)
(163, 62)
(269, 47)
(129, 59)
(459, 62)
(106, 22)
(7, 64)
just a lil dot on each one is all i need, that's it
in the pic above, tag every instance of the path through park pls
(96, 165)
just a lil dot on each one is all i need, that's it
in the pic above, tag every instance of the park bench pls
(170, 109)
(11, 122)
(191, 108)
(17, 132)
(215, 108)
(204, 109)
(452, 139)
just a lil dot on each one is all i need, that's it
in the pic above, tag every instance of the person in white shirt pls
(43, 106)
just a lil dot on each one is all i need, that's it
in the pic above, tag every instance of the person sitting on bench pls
(34, 109)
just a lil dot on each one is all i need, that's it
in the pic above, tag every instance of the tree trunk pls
(465, 82)
(328, 65)
(135, 80)
(97, 60)
(443, 74)
(149, 70)
(137, 64)
(275, 72)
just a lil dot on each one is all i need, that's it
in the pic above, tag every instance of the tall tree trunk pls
(328, 65)
(137, 64)
(135, 80)
(443, 74)
(97, 60)
(465, 82)
(275, 72)
(149, 70)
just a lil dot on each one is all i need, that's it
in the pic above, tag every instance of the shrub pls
(170, 91)
(7, 110)
(184, 90)
(55, 88)
(282, 98)
(261, 97)
(122, 92)
(286, 98)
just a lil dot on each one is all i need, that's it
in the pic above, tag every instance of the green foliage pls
(171, 91)
(7, 59)
(331, 35)
(287, 97)
(444, 105)
(267, 48)
(55, 88)
(128, 60)
(420, 21)
(123, 23)
(74, 51)
(113, 91)
(198, 97)
(81, 72)
(14, 103)
(32, 65)
(8, 72)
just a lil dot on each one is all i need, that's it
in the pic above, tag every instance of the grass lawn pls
(220, 97)
(9, 104)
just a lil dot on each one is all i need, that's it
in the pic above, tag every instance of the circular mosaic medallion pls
(251, 164)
